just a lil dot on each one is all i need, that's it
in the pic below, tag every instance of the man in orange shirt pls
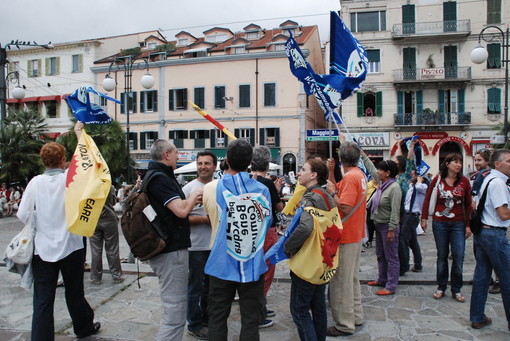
(350, 197)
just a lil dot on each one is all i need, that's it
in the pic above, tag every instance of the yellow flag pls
(317, 260)
(87, 187)
(295, 200)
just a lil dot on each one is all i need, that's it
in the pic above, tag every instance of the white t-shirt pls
(52, 240)
(201, 233)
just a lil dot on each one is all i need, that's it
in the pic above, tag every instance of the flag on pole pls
(86, 111)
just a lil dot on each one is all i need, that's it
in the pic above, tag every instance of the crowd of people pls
(219, 232)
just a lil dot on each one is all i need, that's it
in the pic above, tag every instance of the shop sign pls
(431, 135)
(367, 140)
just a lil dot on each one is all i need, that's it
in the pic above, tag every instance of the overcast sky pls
(61, 21)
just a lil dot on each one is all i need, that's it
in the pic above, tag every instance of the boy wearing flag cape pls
(236, 262)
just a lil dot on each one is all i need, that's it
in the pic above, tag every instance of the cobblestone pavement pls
(127, 312)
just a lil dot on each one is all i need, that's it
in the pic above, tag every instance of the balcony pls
(433, 29)
(432, 119)
(431, 75)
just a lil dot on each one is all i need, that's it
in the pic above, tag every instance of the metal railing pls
(431, 28)
(433, 119)
(433, 74)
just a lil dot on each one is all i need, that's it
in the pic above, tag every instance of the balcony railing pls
(432, 28)
(437, 74)
(433, 119)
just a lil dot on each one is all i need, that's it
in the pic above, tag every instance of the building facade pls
(421, 80)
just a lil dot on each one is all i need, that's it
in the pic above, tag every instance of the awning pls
(50, 98)
(53, 135)
(13, 100)
(196, 50)
(30, 99)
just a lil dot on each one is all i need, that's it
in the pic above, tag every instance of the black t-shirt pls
(162, 190)
(275, 198)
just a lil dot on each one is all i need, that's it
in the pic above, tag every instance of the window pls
(152, 45)
(131, 103)
(269, 94)
(369, 104)
(77, 63)
(279, 47)
(178, 99)
(149, 101)
(182, 42)
(494, 59)
(244, 96)
(133, 141)
(199, 136)
(216, 38)
(147, 139)
(51, 109)
(252, 35)
(246, 133)
(368, 21)
(450, 16)
(33, 107)
(199, 97)
(374, 61)
(494, 101)
(288, 31)
(52, 66)
(270, 137)
(34, 67)
(239, 50)
(178, 137)
(219, 96)
(493, 11)
(218, 139)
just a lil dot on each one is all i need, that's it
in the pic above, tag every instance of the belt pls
(494, 227)
(412, 213)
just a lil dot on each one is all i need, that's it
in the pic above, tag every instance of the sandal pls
(375, 284)
(458, 297)
(438, 294)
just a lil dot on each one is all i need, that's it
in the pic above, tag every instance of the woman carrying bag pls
(448, 200)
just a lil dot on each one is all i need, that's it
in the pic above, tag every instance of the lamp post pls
(3, 76)
(479, 55)
(127, 64)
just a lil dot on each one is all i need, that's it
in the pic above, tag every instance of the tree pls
(109, 138)
(21, 138)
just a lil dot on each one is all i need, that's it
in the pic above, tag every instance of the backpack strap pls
(148, 177)
(481, 203)
(324, 197)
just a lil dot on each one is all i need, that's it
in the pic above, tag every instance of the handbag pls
(433, 196)
(475, 221)
(21, 248)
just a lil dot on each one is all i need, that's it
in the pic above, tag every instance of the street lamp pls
(127, 64)
(3, 76)
(479, 55)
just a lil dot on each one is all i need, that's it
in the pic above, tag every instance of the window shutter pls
(419, 101)
(244, 96)
(142, 141)
(122, 102)
(185, 99)
(10, 67)
(80, 63)
(408, 14)
(171, 134)
(206, 134)
(192, 134)
(493, 11)
(135, 140)
(155, 100)
(171, 100)
(57, 68)
(29, 68)
(462, 94)
(143, 95)
(441, 105)
(262, 139)
(47, 65)
(199, 97)
(378, 103)
(360, 103)
(252, 136)
(134, 102)
(277, 137)
(400, 102)
(213, 138)
(184, 134)
(374, 55)
(449, 10)
(495, 100)
(39, 68)
(236, 132)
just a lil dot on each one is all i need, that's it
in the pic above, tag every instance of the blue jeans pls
(305, 296)
(198, 288)
(449, 234)
(492, 251)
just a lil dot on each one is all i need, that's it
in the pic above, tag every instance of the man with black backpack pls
(492, 250)
(171, 265)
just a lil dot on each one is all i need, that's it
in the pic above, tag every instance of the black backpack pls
(145, 238)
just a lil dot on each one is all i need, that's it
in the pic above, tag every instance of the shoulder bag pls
(433, 196)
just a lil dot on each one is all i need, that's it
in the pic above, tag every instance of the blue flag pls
(276, 254)
(86, 111)
(421, 166)
(313, 83)
(348, 60)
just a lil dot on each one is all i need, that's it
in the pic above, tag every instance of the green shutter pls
(171, 100)
(441, 106)
(494, 100)
(262, 140)
(461, 100)
(122, 101)
(360, 104)
(213, 136)
(450, 16)
(143, 94)
(378, 103)
(493, 11)
(134, 102)
(400, 102)
(494, 59)
(134, 137)
(171, 134)
(47, 65)
(277, 137)
(252, 136)
(155, 100)
(373, 55)
(185, 99)
(142, 141)
(408, 19)
(419, 101)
